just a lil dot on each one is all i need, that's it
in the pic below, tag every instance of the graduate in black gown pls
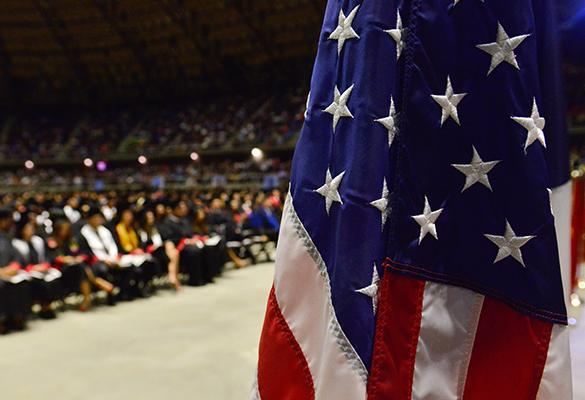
(177, 229)
(15, 297)
(98, 243)
(146, 267)
(64, 253)
(221, 222)
(164, 252)
(46, 281)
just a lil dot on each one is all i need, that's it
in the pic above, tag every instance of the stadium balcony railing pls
(125, 187)
(158, 155)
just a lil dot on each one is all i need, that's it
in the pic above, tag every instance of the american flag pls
(418, 255)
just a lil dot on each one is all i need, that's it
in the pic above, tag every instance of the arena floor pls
(200, 344)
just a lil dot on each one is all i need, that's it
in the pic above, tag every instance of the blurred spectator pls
(269, 119)
(45, 279)
(215, 174)
(164, 251)
(15, 300)
(64, 253)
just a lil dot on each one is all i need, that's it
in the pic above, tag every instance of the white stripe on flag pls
(562, 205)
(449, 322)
(303, 294)
(556, 380)
(254, 393)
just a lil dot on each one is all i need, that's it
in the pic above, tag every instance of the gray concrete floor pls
(198, 344)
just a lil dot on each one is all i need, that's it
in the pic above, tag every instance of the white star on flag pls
(477, 171)
(372, 290)
(534, 125)
(339, 107)
(427, 221)
(382, 204)
(308, 105)
(509, 244)
(389, 122)
(330, 190)
(344, 30)
(455, 2)
(396, 34)
(449, 103)
(503, 49)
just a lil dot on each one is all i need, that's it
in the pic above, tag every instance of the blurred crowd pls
(225, 123)
(124, 245)
(578, 157)
(265, 174)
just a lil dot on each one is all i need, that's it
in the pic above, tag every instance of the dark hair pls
(20, 227)
(59, 224)
(5, 213)
(93, 211)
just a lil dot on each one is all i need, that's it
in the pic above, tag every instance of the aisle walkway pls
(200, 344)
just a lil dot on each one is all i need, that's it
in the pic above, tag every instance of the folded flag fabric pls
(418, 254)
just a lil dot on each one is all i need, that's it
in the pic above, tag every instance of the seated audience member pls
(200, 226)
(177, 229)
(275, 200)
(71, 209)
(160, 212)
(63, 252)
(15, 299)
(127, 236)
(222, 223)
(263, 220)
(130, 244)
(109, 209)
(98, 242)
(164, 251)
(219, 220)
(46, 280)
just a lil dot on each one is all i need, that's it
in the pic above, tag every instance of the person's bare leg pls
(236, 260)
(173, 267)
(85, 289)
(104, 285)
(99, 283)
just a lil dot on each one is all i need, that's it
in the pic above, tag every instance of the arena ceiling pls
(88, 50)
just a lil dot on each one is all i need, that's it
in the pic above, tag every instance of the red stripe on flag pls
(577, 229)
(397, 330)
(508, 356)
(283, 373)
